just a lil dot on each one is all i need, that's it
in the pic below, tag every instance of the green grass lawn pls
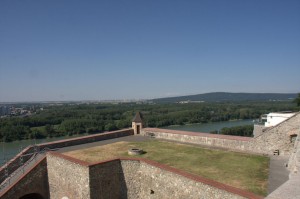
(248, 172)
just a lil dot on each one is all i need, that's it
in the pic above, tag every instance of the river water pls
(10, 149)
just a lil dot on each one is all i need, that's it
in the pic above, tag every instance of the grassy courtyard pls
(248, 172)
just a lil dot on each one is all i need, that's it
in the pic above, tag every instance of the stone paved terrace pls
(289, 190)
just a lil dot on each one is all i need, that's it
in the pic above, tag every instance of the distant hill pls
(224, 96)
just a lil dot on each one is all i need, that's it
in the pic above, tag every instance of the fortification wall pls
(130, 178)
(33, 181)
(159, 181)
(278, 137)
(67, 178)
(28, 152)
(86, 139)
(14, 163)
(107, 180)
(223, 141)
(290, 189)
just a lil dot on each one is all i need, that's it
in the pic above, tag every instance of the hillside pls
(225, 96)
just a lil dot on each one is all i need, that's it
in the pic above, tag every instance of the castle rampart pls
(61, 176)
(34, 181)
(222, 141)
(280, 137)
(130, 178)
(27, 153)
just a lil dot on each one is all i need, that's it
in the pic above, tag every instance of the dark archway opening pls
(138, 129)
(32, 196)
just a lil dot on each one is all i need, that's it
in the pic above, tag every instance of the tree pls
(297, 100)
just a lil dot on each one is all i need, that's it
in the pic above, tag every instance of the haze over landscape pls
(101, 50)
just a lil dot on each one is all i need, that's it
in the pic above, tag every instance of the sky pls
(136, 49)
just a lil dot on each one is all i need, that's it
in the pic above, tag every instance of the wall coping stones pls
(84, 137)
(227, 137)
(68, 158)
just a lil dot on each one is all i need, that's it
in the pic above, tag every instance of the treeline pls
(95, 118)
(246, 130)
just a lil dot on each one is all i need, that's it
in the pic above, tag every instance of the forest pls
(246, 131)
(73, 119)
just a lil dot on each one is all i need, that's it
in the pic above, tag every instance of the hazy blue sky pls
(95, 50)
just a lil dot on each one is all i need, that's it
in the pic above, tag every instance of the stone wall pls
(33, 181)
(294, 160)
(28, 152)
(258, 129)
(14, 163)
(290, 189)
(223, 141)
(159, 181)
(271, 139)
(67, 178)
(86, 139)
(130, 178)
(278, 137)
(63, 176)
(107, 180)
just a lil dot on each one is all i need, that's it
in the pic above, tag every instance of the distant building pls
(275, 118)
(5, 110)
(270, 120)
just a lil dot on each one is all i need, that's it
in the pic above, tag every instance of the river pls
(10, 149)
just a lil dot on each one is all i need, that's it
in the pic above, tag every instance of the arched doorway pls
(32, 196)
(138, 129)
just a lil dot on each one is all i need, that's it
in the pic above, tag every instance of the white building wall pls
(275, 118)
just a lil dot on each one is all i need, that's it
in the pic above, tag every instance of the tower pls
(137, 123)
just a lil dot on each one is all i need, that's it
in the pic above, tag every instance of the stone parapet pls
(278, 137)
(34, 180)
(222, 141)
(10, 167)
